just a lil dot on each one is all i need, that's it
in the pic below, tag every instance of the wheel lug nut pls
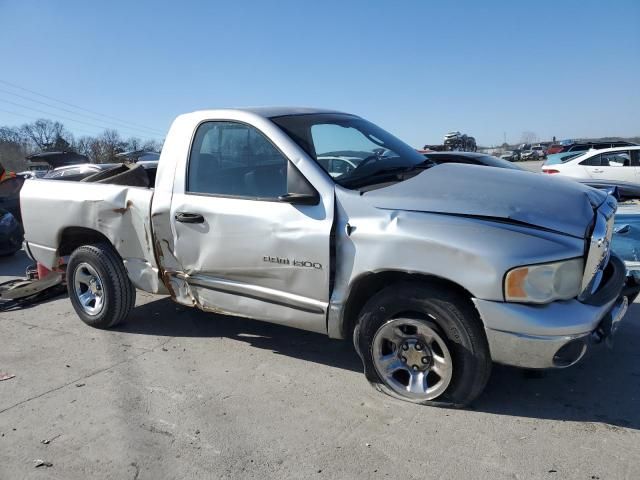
(415, 367)
(404, 359)
(425, 360)
(405, 346)
(418, 346)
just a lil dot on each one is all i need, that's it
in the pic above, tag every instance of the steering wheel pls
(378, 153)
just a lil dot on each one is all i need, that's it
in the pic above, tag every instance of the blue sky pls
(417, 68)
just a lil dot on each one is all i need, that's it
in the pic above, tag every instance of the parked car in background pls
(626, 234)
(10, 195)
(76, 172)
(555, 148)
(522, 148)
(338, 164)
(138, 156)
(574, 149)
(615, 164)
(456, 141)
(528, 155)
(540, 151)
(86, 170)
(509, 156)
(536, 152)
(471, 158)
(57, 159)
(11, 234)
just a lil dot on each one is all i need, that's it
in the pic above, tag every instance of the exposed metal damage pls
(283, 240)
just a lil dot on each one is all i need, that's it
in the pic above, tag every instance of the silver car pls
(321, 220)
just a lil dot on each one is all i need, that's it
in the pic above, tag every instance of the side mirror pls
(299, 198)
(299, 190)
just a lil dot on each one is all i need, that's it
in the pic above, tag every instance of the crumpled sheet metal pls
(472, 253)
(122, 214)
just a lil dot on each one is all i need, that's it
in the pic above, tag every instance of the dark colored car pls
(11, 234)
(470, 158)
(58, 159)
(10, 195)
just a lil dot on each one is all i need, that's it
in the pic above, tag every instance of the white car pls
(619, 163)
(539, 151)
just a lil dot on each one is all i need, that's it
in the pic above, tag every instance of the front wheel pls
(100, 290)
(423, 343)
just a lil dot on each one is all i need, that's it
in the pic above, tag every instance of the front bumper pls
(554, 335)
(553, 351)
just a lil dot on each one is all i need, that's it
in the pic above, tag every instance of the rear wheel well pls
(369, 284)
(74, 237)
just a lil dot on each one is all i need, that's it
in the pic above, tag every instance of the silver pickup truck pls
(322, 221)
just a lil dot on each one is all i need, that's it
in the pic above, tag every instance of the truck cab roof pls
(267, 111)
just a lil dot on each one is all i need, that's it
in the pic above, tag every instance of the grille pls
(599, 248)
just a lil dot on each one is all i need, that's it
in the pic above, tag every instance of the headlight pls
(544, 283)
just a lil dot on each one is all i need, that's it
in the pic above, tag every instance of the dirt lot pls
(176, 393)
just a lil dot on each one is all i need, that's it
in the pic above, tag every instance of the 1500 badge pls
(294, 262)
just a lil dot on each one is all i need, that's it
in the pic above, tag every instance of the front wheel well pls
(367, 285)
(74, 237)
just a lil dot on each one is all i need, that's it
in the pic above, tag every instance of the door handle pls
(597, 170)
(186, 217)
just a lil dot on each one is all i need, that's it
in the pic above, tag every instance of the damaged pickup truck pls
(322, 221)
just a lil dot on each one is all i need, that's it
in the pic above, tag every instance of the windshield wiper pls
(379, 175)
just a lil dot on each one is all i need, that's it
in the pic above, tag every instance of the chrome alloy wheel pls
(412, 359)
(87, 287)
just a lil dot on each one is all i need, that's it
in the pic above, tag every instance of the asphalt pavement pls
(535, 166)
(178, 393)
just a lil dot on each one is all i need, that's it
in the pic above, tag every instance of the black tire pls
(117, 292)
(455, 319)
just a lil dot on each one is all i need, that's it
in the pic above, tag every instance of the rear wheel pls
(100, 291)
(423, 343)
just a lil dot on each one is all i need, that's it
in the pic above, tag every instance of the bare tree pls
(112, 144)
(47, 135)
(152, 146)
(13, 148)
(10, 135)
(83, 145)
(133, 144)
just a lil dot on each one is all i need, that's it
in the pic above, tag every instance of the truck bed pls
(55, 209)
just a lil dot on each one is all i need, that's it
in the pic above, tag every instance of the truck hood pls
(541, 201)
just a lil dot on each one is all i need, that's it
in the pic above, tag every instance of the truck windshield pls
(353, 151)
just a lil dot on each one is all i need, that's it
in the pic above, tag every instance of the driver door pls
(244, 251)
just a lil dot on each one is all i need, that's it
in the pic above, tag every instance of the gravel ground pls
(177, 393)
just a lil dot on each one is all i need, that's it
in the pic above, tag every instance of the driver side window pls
(234, 159)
